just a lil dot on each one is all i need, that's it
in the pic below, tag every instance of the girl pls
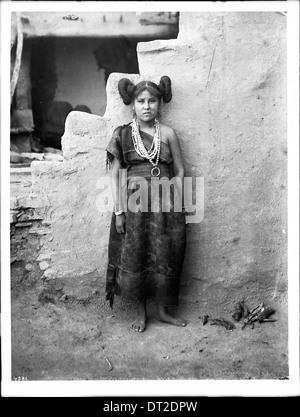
(146, 244)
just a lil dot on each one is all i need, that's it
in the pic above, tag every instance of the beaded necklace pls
(154, 152)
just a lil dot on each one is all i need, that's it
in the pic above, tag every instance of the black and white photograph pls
(149, 199)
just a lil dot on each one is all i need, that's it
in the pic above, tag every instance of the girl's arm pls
(120, 219)
(177, 159)
(176, 154)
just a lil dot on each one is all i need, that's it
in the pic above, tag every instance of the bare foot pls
(164, 316)
(139, 323)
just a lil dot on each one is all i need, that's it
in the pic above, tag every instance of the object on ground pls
(246, 310)
(222, 322)
(259, 313)
(109, 364)
(240, 310)
(253, 315)
(267, 312)
(265, 320)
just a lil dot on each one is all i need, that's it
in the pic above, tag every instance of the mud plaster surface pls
(60, 339)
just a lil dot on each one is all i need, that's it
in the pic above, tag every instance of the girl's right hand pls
(120, 223)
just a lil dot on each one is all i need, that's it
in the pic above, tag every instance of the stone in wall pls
(26, 230)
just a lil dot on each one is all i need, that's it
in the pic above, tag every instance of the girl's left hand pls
(120, 223)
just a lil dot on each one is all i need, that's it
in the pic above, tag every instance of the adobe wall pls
(229, 110)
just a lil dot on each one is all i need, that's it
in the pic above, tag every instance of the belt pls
(144, 170)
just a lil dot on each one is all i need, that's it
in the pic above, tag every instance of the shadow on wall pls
(117, 55)
(53, 128)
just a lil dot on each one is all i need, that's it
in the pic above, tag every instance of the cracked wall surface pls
(228, 73)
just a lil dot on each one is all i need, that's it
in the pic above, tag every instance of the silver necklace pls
(154, 152)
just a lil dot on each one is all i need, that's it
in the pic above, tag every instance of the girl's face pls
(146, 106)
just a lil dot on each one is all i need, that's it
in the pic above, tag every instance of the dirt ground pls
(56, 338)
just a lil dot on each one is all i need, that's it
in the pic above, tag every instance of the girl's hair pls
(128, 91)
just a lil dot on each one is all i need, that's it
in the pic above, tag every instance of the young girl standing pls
(146, 246)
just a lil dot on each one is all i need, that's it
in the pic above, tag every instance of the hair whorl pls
(165, 88)
(126, 87)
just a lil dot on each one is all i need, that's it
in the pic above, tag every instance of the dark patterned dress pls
(146, 261)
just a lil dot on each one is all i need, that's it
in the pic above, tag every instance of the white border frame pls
(211, 388)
